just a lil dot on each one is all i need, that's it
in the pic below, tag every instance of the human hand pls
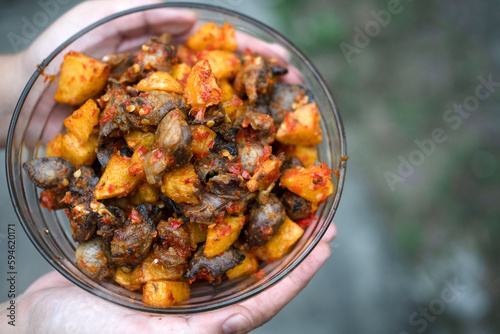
(52, 304)
(138, 26)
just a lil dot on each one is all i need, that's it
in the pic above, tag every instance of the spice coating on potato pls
(83, 120)
(182, 185)
(202, 89)
(301, 127)
(81, 78)
(248, 266)
(79, 152)
(165, 293)
(223, 235)
(159, 81)
(281, 242)
(313, 183)
(116, 181)
(212, 37)
(203, 140)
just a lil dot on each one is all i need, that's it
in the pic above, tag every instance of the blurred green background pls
(417, 247)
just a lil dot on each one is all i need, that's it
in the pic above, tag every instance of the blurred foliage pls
(396, 90)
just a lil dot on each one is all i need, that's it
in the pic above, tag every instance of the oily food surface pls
(182, 163)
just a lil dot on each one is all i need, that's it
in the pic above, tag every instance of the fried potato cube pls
(203, 140)
(212, 37)
(247, 267)
(146, 193)
(117, 181)
(54, 147)
(159, 81)
(165, 293)
(313, 183)
(224, 64)
(227, 90)
(151, 270)
(187, 56)
(231, 103)
(223, 235)
(83, 120)
(136, 139)
(266, 173)
(79, 152)
(301, 127)
(197, 233)
(306, 154)
(281, 242)
(233, 108)
(81, 78)
(124, 280)
(202, 89)
(182, 185)
(136, 168)
(180, 72)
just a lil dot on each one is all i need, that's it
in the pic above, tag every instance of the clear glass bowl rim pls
(187, 6)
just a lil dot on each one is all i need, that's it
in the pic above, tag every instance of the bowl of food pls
(176, 173)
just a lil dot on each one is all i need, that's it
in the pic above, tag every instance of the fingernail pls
(235, 324)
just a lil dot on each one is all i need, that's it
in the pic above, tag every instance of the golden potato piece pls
(301, 127)
(165, 293)
(281, 242)
(266, 173)
(54, 147)
(223, 235)
(146, 193)
(306, 154)
(197, 233)
(159, 81)
(224, 64)
(313, 183)
(151, 270)
(83, 120)
(182, 185)
(79, 152)
(202, 89)
(136, 139)
(212, 37)
(180, 72)
(203, 140)
(247, 267)
(124, 280)
(187, 56)
(233, 108)
(117, 180)
(81, 78)
(227, 90)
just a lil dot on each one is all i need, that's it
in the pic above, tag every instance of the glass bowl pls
(37, 119)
